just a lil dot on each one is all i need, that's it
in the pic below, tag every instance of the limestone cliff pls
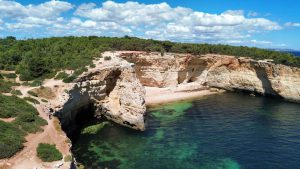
(112, 91)
(226, 72)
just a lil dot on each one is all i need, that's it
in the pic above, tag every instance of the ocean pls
(224, 131)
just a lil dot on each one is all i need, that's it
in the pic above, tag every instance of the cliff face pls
(226, 72)
(254, 76)
(111, 91)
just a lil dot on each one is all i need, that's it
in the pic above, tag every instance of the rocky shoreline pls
(120, 88)
(212, 70)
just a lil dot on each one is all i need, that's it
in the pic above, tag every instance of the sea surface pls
(296, 53)
(226, 131)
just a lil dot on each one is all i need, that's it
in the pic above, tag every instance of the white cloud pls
(253, 14)
(29, 16)
(260, 42)
(13, 9)
(1, 22)
(160, 21)
(157, 21)
(292, 24)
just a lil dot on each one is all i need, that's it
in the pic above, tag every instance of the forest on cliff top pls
(42, 58)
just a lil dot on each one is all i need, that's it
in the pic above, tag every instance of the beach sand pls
(155, 95)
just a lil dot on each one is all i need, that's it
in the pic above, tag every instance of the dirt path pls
(27, 159)
(7, 119)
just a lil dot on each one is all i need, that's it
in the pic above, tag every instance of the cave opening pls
(84, 116)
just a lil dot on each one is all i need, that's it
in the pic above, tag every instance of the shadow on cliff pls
(111, 81)
(266, 83)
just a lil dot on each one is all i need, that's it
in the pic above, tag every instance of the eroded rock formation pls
(116, 90)
(112, 91)
(226, 72)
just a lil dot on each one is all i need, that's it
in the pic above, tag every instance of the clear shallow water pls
(228, 131)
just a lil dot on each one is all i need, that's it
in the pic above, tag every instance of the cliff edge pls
(213, 70)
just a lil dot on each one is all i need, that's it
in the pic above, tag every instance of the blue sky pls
(261, 23)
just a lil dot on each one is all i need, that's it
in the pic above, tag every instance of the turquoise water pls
(227, 131)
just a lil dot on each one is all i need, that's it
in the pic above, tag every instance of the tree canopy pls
(41, 58)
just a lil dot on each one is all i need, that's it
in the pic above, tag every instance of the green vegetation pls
(35, 83)
(42, 58)
(10, 75)
(12, 136)
(12, 133)
(69, 79)
(48, 152)
(44, 100)
(92, 65)
(12, 106)
(5, 86)
(61, 75)
(68, 158)
(93, 129)
(32, 100)
(32, 93)
(16, 92)
(107, 58)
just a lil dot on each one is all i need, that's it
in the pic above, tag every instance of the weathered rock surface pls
(226, 72)
(112, 91)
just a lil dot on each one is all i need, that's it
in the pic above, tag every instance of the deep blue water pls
(227, 131)
(296, 53)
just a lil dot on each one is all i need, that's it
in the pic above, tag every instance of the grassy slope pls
(26, 121)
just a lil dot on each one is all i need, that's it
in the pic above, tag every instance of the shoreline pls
(156, 96)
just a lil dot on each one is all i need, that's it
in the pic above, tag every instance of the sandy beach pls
(155, 95)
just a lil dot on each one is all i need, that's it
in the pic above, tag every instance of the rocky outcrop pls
(226, 72)
(254, 76)
(112, 91)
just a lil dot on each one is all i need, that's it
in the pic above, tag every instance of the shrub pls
(107, 58)
(69, 79)
(30, 127)
(5, 87)
(26, 117)
(32, 93)
(12, 133)
(1, 77)
(79, 71)
(68, 158)
(12, 106)
(11, 140)
(35, 83)
(61, 75)
(48, 152)
(32, 100)
(92, 65)
(93, 129)
(16, 92)
(10, 75)
(44, 100)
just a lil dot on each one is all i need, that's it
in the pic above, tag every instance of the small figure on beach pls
(49, 114)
